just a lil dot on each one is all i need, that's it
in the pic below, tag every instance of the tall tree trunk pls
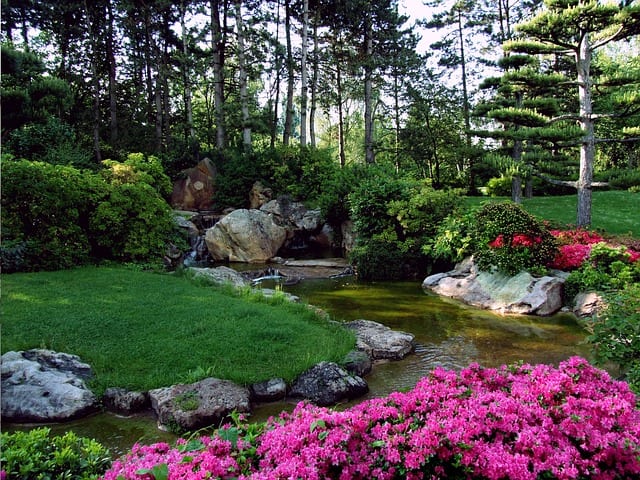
(95, 82)
(587, 148)
(466, 110)
(341, 148)
(278, 63)
(148, 46)
(242, 74)
(303, 75)
(288, 120)
(314, 82)
(218, 58)
(186, 73)
(158, 104)
(111, 60)
(516, 180)
(368, 92)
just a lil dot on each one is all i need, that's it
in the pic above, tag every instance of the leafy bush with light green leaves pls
(616, 333)
(36, 455)
(508, 238)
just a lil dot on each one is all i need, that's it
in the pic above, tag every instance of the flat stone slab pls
(318, 262)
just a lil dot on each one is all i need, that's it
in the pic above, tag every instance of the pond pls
(447, 334)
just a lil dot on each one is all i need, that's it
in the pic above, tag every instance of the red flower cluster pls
(518, 240)
(571, 237)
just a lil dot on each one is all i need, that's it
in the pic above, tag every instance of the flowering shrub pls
(510, 239)
(518, 423)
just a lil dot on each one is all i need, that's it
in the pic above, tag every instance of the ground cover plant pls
(519, 422)
(141, 330)
(38, 455)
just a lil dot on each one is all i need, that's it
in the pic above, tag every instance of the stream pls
(447, 334)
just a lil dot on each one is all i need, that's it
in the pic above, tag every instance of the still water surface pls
(447, 334)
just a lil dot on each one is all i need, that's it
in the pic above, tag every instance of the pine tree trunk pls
(242, 74)
(314, 83)
(288, 120)
(303, 75)
(111, 59)
(587, 148)
(217, 57)
(368, 94)
(186, 74)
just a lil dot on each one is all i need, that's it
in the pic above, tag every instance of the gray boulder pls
(45, 386)
(201, 404)
(327, 383)
(124, 402)
(244, 235)
(269, 391)
(379, 341)
(518, 294)
(588, 304)
(293, 216)
(220, 275)
(358, 363)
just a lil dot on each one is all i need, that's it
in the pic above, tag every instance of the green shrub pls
(453, 239)
(499, 187)
(35, 455)
(133, 223)
(138, 168)
(508, 238)
(45, 211)
(380, 259)
(616, 333)
(607, 268)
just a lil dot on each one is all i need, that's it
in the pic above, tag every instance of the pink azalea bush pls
(575, 247)
(517, 423)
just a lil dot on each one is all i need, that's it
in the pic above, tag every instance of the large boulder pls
(259, 195)
(195, 188)
(45, 386)
(244, 235)
(327, 383)
(124, 402)
(518, 294)
(293, 216)
(197, 405)
(380, 342)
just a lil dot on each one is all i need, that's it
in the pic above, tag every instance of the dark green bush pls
(45, 211)
(36, 455)
(395, 217)
(57, 216)
(510, 239)
(139, 168)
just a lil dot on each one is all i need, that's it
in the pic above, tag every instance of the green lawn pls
(143, 330)
(614, 212)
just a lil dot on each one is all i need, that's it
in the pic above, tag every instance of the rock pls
(588, 304)
(198, 405)
(348, 236)
(379, 341)
(270, 292)
(269, 391)
(259, 195)
(220, 275)
(124, 402)
(326, 384)
(195, 189)
(358, 363)
(45, 386)
(293, 216)
(518, 294)
(245, 236)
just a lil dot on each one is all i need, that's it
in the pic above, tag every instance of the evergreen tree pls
(577, 29)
